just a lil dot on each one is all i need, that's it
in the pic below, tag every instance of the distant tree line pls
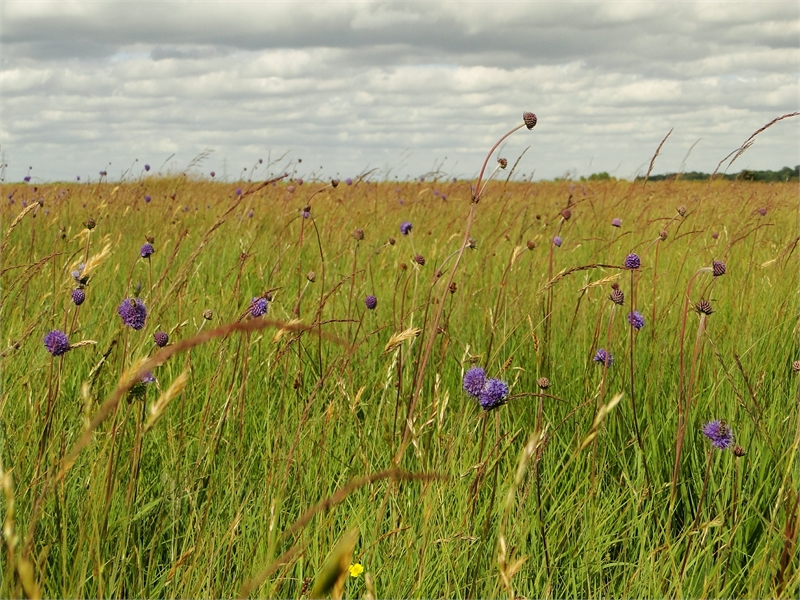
(785, 174)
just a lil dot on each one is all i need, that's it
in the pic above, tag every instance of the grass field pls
(325, 430)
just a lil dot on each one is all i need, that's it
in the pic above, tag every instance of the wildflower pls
(530, 119)
(715, 235)
(493, 394)
(371, 302)
(557, 241)
(238, 191)
(146, 250)
(604, 358)
(56, 342)
(334, 183)
(703, 307)
(530, 244)
(212, 174)
(27, 179)
(299, 181)
(419, 259)
(348, 181)
(719, 433)
(632, 261)
(762, 211)
(147, 198)
(718, 267)
(405, 228)
(474, 380)
(76, 274)
(681, 210)
(738, 451)
(311, 276)
(148, 377)
(207, 314)
(636, 320)
(147, 167)
(356, 569)
(306, 214)
(566, 214)
(78, 296)
(258, 306)
(615, 222)
(161, 338)
(133, 313)
(617, 296)
(543, 383)
(358, 234)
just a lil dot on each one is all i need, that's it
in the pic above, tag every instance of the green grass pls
(266, 428)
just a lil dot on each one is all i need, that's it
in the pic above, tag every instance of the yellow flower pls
(356, 570)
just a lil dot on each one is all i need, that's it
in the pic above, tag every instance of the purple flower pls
(56, 342)
(636, 320)
(27, 178)
(147, 167)
(348, 181)
(615, 222)
(604, 358)
(632, 261)
(258, 306)
(474, 380)
(212, 174)
(405, 227)
(161, 338)
(238, 191)
(133, 313)
(79, 177)
(719, 433)
(146, 250)
(493, 394)
(371, 302)
(557, 241)
(306, 214)
(148, 377)
(147, 198)
(250, 214)
(78, 296)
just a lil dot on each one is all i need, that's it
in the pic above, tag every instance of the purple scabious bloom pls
(147, 167)
(371, 302)
(348, 181)
(636, 320)
(146, 250)
(557, 241)
(405, 227)
(212, 174)
(78, 296)
(147, 198)
(27, 178)
(56, 342)
(604, 358)
(258, 306)
(615, 222)
(133, 313)
(79, 177)
(474, 380)
(306, 214)
(148, 377)
(632, 261)
(719, 433)
(161, 338)
(493, 394)
(238, 191)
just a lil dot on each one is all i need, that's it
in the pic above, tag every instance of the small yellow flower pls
(356, 570)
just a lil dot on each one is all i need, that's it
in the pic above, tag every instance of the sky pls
(335, 89)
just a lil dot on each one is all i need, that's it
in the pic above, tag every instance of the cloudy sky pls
(405, 87)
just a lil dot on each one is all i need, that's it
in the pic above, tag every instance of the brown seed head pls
(715, 235)
(703, 307)
(334, 182)
(739, 452)
(718, 268)
(150, 239)
(403, 266)
(472, 243)
(681, 210)
(358, 234)
(543, 383)
(90, 224)
(207, 314)
(503, 162)
(392, 241)
(530, 119)
(453, 287)
(615, 286)
(566, 214)
(663, 235)
(311, 276)
(530, 245)
(419, 259)
(617, 297)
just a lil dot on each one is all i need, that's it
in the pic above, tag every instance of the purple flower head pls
(133, 313)
(299, 181)
(636, 320)
(719, 433)
(79, 177)
(632, 261)
(348, 181)
(147, 198)
(493, 394)
(76, 274)
(27, 178)
(250, 214)
(306, 214)
(146, 250)
(161, 338)
(148, 377)
(212, 174)
(56, 342)
(615, 222)
(238, 191)
(762, 211)
(474, 380)
(78, 296)
(258, 306)
(405, 227)
(371, 302)
(557, 241)
(604, 358)
(147, 167)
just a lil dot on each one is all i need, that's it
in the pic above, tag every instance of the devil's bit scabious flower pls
(557, 241)
(632, 261)
(258, 306)
(662, 235)
(474, 380)
(147, 250)
(78, 296)
(636, 320)
(371, 302)
(617, 296)
(147, 198)
(348, 181)
(493, 394)
(405, 227)
(604, 358)
(718, 267)
(419, 259)
(148, 377)
(147, 167)
(615, 222)
(161, 338)
(133, 313)
(566, 214)
(719, 433)
(703, 307)
(530, 119)
(56, 342)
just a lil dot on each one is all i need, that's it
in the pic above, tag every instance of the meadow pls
(305, 428)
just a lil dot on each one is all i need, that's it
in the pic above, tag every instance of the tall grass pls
(283, 434)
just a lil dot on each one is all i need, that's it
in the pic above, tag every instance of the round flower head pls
(405, 227)
(474, 380)
(617, 296)
(796, 366)
(566, 214)
(530, 119)
(148, 377)
(557, 241)
(371, 302)
(636, 320)
(604, 358)
(419, 259)
(718, 267)
(494, 394)
(133, 313)
(258, 307)
(238, 191)
(147, 198)
(348, 181)
(543, 383)
(161, 338)
(56, 342)
(703, 307)
(147, 167)
(719, 433)
(615, 222)
(146, 250)
(78, 296)
(632, 261)
(306, 214)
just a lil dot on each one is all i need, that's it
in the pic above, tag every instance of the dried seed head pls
(334, 182)
(530, 245)
(663, 235)
(438, 273)
(358, 234)
(392, 241)
(502, 162)
(703, 307)
(207, 314)
(715, 235)
(311, 276)
(543, 383)
(617, 297)
(762, 211)
(681, 210)
(90, 224)
(566, 214)
(150, 239)
(632, 261)
(796, 366)
(78, 296)
(718, 267)
(472, 244)
(530, 119)
(453, 287)
(419, 259)
(615, 286)
(403, 266)
(739, 452)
